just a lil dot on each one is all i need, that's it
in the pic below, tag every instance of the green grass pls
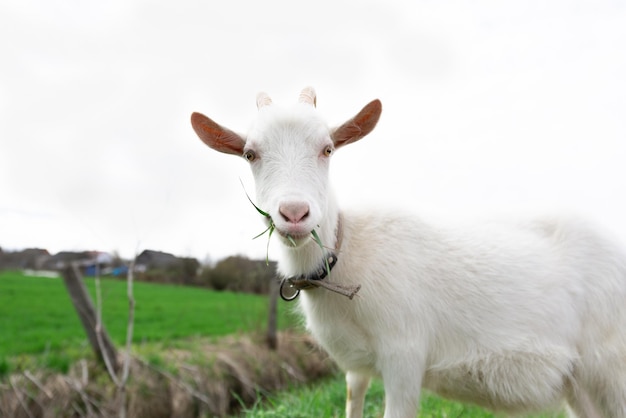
(37, 316)
(327, 400)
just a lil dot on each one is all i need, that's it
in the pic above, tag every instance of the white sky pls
(489, 107)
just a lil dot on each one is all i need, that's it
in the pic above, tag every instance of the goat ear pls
(215, 136)
(359, 126)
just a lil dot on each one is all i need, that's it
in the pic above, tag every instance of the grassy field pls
(328, 400)
(37, 316)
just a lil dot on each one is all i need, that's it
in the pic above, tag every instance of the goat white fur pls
(514, 317)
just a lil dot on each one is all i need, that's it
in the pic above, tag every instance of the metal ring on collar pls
(285, 296)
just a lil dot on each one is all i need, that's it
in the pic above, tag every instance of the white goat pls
(514, 317)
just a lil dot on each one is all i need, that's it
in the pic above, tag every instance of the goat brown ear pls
(215, 136)
(359, 126)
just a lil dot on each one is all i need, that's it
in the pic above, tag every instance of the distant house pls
(91, 263)
(150, 259)
(63, 258)
(98, 263)
(30, 258)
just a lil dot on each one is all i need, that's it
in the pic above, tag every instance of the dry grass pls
(206, 380)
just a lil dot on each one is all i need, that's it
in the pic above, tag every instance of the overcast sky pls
(489, 107)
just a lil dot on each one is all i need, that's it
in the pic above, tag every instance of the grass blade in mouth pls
(262, 212)
(269, 229)
(291, 240)
(317, 239)
(267, 250)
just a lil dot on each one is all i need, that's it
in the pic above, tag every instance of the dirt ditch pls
(208, 380)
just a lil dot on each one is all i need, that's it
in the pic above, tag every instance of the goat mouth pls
(294, 238)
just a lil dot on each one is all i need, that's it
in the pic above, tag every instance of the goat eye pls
(249, 155)
(328, 150)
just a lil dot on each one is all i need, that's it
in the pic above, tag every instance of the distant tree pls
(224, 276)
(188, 270)
(116, 260)
(160, 267)
(239, 274)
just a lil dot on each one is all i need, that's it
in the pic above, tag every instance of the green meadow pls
(37, 316)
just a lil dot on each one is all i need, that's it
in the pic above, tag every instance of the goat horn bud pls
(262, 99)
(308, 96)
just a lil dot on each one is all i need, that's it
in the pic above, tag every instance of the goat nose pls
(294, 212)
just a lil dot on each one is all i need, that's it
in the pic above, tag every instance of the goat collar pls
(317, 278)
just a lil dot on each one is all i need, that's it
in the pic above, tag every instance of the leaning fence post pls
(272, 321)
(101, 345)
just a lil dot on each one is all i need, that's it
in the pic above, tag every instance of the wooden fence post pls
(272, 322)
(81, 300)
